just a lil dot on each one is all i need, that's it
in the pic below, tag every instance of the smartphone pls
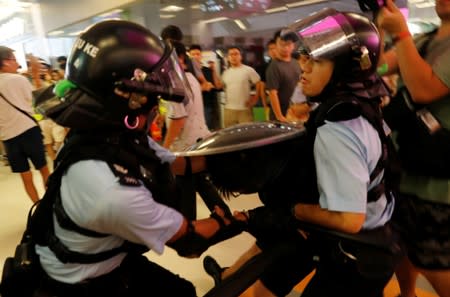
(371, 5)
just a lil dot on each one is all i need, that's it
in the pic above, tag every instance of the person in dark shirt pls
(282, 77)
(271, 52)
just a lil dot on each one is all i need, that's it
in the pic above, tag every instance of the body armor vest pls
(298, 182)
(130, 159)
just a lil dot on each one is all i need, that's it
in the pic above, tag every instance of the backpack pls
(22, 268)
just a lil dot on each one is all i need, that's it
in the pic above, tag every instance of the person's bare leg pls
(56, 146)
(406, 275)
(259, 290)
(439, 279)
(27, 179)
(45, 173)
(250, 253)
(50, 151)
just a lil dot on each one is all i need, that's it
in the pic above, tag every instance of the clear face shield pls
(170, 76)
(167, 80)
(324, 34)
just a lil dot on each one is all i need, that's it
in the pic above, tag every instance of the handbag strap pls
(424, 47)
(21, 110)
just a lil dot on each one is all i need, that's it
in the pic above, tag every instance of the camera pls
(371, 5)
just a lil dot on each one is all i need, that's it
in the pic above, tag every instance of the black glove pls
(193, 244)
(270, 226)
(235, 227)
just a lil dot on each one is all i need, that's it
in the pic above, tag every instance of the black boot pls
(213, 269)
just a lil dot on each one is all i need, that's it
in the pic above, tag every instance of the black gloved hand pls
(193, 244)
(227, 230)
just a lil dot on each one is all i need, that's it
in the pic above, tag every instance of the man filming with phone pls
(423, 137)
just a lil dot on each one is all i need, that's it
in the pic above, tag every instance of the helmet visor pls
(321, 35)
(170, 75)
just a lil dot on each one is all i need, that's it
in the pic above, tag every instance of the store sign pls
(12, 28)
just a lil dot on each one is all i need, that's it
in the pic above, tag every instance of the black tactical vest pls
(298, 181)
(130, 159)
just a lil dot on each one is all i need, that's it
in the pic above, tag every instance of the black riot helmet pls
(116, 70)
(349, 39)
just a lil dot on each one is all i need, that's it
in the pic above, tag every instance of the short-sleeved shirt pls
(94, 199)
(17, 89)
(429, 188)
(195, 125)
(345, 154)
(283, 76)
(237, 83)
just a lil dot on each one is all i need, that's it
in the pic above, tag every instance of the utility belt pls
(374, 252)
(115, 283)
(110, 284)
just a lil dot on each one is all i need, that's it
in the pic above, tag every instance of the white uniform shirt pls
(346, 153)
(94, 199)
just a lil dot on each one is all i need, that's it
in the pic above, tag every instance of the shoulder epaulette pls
(124, 176)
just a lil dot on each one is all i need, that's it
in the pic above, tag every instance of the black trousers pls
(336, 274)
(136, 276)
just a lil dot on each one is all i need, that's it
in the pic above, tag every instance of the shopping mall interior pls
(48, 28)
(15, 204)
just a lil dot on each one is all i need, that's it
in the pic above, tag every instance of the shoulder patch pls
(125, 178)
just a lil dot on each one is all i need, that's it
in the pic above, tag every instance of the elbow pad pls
(194, 244)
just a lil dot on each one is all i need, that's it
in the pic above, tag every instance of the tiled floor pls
(14, 206)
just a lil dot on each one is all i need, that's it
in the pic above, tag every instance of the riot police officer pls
(112, 193)
(339, 193)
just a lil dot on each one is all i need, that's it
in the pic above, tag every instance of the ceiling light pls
(54, 33)
(240, 24)
(166, 16)
(15, 3)
(12, 28)
(425, 5)
(75, 33)
(109, 13)
(214, 20)
(9, 7)
(276, 9)
(172, 8)
(303, 3)
(195, 6)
